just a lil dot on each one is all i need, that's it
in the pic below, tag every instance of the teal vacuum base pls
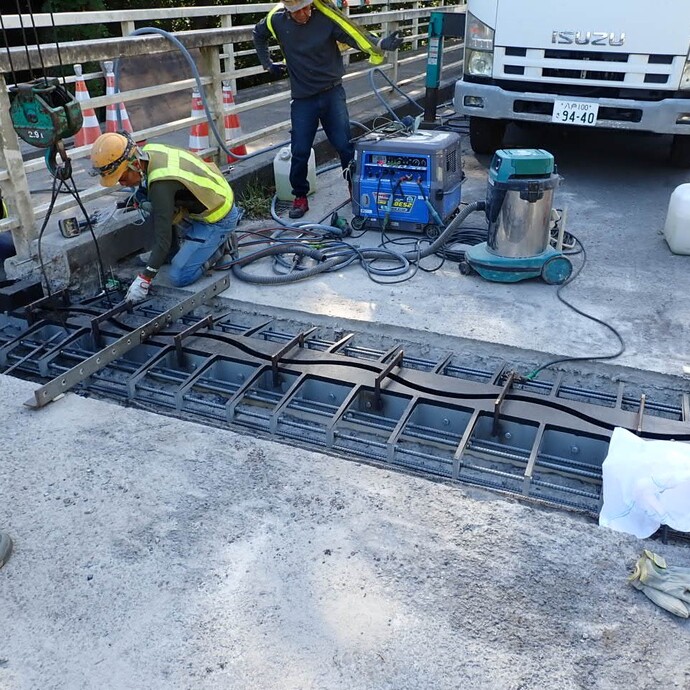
(551, 266)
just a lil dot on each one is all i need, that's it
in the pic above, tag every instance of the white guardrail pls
(221, 50)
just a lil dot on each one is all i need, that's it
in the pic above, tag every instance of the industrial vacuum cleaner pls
(519, 202)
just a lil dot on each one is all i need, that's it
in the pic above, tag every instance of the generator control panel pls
(397, 161)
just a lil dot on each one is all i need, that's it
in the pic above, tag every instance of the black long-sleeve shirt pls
(311, 51)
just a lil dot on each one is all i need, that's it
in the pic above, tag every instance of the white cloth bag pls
(646, 484)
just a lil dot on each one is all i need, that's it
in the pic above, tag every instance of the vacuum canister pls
(519, 199)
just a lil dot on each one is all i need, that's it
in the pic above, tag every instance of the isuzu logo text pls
(588, 38)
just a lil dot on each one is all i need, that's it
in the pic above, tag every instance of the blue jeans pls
(200, 242)
(6, 246)
(329, 108)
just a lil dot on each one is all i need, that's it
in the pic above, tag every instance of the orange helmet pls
(111, 153)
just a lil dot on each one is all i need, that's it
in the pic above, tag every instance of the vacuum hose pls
(344, 258)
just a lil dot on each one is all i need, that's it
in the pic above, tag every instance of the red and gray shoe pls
(299, 207)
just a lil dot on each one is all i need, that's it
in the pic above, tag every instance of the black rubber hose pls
(332, 264)
(297, 249)
(449, 230)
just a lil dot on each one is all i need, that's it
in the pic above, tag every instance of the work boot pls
(299, 207)
(215, 258)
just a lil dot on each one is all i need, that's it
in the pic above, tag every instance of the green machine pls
(519, 200)
(43, 113)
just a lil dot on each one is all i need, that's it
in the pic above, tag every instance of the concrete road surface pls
(154, 553)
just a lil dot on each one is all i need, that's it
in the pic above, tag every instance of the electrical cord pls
(621, 347)
(467, 236)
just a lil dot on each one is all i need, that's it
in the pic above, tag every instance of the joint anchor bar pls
(397, 360)
(206, 322)
(98, 320)
(499, 401)
(45, 303)
(297, 341)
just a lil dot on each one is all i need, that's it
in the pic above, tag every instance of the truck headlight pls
(479, 63)
(479, 48)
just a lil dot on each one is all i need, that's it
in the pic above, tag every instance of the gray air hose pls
(334, 263)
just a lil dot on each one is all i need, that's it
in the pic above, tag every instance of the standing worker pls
(308, 32)
(171, 181)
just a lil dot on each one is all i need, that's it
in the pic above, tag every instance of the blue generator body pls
(407, 183)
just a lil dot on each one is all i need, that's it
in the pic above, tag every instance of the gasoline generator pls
(406, 183)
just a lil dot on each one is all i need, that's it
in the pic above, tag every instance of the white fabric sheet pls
(646, 484)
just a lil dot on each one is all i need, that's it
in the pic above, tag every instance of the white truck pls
(617, 64)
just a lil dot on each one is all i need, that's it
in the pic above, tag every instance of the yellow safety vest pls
(327, 8)
(204, 180)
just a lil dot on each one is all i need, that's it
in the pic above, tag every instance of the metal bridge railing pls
(220, 50)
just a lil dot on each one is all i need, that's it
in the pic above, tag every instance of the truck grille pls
(588, 67)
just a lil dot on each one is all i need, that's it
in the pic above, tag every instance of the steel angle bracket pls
(99, 360)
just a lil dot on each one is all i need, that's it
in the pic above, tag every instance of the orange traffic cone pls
(198, 132)
(233, 129)
(90, 130)
(111, 121)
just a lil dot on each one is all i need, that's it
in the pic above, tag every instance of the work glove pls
(138, 290)
(277, 70)
(392, 42)
(667, 586)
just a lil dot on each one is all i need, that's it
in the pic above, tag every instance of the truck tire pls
(680, 151)
(486, 135)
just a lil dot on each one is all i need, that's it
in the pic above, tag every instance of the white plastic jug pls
(677, 227)
(281, 173)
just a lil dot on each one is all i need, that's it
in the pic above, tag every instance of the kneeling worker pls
(171, 180)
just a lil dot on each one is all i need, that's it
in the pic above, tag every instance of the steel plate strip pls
(61, 384)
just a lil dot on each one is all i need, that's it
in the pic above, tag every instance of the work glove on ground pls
(277, 70)
(667, 586)
(392, 42)
(138, 290)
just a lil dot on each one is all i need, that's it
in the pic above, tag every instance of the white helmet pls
(295, 5)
